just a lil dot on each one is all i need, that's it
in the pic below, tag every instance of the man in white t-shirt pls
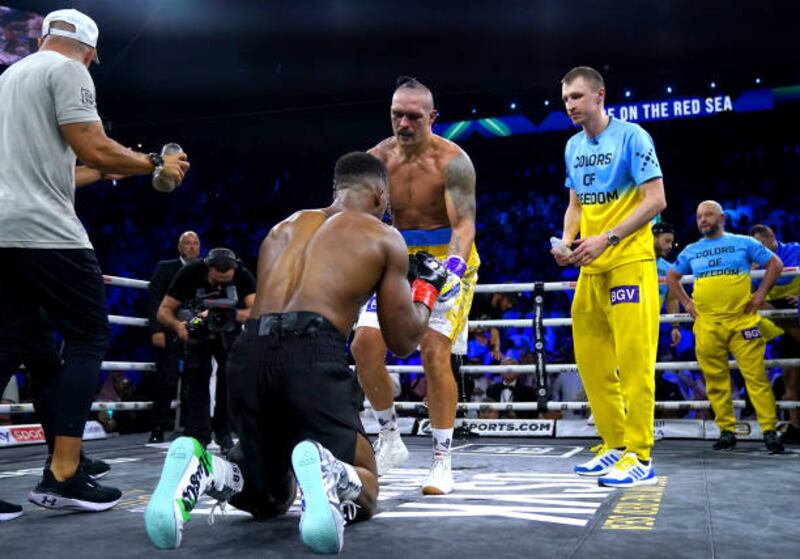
(48, 118)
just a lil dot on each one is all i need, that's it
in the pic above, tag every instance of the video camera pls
(221, 316)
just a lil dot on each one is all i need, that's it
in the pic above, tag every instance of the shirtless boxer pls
(294, 399)
(433, 205)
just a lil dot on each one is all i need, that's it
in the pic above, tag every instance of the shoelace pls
(626, 462)
(223, 509)
(376, 446)
(598, 449)
(349, 510)
(439, 464)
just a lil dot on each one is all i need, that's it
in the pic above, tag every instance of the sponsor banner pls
(16, 435)
(663, 429)
(745, 430)
(371, 427)
(500, 427)
(25, 434)
(664, 109)
(566, 428)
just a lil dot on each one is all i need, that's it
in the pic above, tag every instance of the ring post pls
(542, 388)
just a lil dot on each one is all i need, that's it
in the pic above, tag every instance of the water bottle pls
(160, 182)
(559, 246)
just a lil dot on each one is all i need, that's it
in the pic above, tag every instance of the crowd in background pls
(520, 206)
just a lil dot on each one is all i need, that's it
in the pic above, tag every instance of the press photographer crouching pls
(206, 304)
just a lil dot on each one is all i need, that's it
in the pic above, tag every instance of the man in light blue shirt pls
(664, 242)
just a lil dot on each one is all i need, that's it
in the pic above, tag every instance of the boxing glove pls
(431, 276)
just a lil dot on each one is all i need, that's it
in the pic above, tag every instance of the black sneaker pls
(791, 435)
(96, 469)
(80, 492)
(773, 443)
(727, 441)
(9, 511)
(157, 436)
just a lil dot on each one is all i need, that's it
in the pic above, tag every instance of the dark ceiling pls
(210, 61)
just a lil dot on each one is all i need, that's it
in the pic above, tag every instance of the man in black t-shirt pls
(216, 294)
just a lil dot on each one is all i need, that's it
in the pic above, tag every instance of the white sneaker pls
(601, 464)
(440, 478)
(189, 472)
(390, 451)
(629, 472)
(322, 522)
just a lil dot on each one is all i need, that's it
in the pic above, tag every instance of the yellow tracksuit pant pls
(615, 332)
(714, 341)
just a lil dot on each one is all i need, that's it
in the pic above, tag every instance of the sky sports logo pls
(624, 294)
(27, 434)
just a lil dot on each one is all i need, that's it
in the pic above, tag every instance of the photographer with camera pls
(205, 305)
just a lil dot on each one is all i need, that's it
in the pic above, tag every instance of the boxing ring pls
(514, 497)
(540, 369)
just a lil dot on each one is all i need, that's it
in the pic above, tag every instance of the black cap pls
(661, 227)
(223, 259)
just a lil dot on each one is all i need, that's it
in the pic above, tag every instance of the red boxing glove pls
(423, 292)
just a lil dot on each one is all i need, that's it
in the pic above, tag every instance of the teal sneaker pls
(189, 472)
(321, 523)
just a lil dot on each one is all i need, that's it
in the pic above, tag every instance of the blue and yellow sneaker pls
(604, 459)
(629, 472)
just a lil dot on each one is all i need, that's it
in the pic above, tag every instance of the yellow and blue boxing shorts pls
(451, 310)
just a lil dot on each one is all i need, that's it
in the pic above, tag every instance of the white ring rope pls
(511, 323)
(96, 406)
(413, 406)
(127, 320)
(494, 369)
(485, 288)
(125, 282)
(573, 368)
(127, 366)
(581, 406)
(553, 322)
(567, 285)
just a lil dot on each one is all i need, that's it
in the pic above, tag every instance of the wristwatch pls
(613, 238)
(156, 160)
